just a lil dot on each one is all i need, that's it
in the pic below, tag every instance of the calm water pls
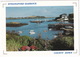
(38, 28)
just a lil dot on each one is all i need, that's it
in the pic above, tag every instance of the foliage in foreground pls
(14, 42)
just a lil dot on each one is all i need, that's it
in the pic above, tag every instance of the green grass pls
(12, 45)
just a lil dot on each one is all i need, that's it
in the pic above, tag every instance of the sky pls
(47, 11)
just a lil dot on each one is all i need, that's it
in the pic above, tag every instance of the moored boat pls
(31, 32)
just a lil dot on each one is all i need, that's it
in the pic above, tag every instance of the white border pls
(34, 0)
(39, 3)
(79, 25)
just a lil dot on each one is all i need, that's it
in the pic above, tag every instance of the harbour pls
(39, 28)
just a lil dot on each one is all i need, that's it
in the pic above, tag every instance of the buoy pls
(45, 31)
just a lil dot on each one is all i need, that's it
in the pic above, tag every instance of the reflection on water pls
(38, 28)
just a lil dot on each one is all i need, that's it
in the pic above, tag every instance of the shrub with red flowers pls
(24, 48)
(33, 47)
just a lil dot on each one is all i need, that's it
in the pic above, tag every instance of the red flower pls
(33, 47)
(24, 48)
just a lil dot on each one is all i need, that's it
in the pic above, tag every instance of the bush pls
(65, 43)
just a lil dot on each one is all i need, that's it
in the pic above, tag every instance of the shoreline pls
(28, 18)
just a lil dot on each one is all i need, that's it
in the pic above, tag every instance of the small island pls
(15, 24)
(36, 21)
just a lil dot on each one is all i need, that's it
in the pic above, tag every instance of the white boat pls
(20, 32)
(31, 32)
(68, 27)
(50, 29)
(55, 36)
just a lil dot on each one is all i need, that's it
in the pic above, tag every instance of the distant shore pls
(30, 17)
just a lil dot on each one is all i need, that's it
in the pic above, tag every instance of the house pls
(64, 17)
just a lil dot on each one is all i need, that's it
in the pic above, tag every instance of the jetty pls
(58, 26)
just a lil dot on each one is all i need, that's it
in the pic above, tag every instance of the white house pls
(64, 17)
